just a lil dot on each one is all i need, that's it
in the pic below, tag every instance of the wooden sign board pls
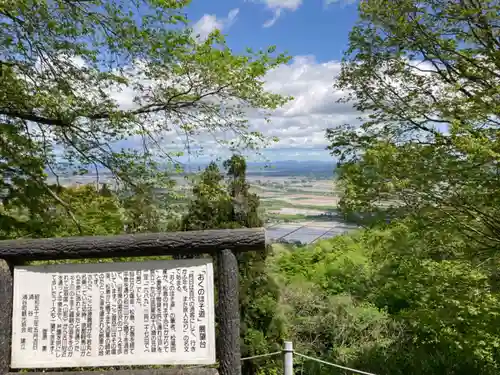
(114, 314)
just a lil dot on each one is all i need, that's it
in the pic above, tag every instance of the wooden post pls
(6, 297)
(228, 345)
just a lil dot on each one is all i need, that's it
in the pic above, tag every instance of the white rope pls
(300, 355)
(333, 364)
(261, 355)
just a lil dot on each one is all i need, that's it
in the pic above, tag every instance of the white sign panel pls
(110, 314)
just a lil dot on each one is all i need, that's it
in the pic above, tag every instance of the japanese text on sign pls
(130, 313)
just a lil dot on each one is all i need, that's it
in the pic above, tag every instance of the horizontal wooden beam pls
(133, 245)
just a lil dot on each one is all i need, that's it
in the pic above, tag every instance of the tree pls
(65, 63)
(148, 204)
(92, 214)
(220, 204)
(245, 204)
(211, 204)
(374, 300)
(426, 75)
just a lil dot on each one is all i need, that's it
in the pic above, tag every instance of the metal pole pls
(288, 358)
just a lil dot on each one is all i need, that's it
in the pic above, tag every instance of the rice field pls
(307, 232)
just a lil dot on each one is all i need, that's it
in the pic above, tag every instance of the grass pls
(276, 204)
(299, 218)
(257, 189)
(297, 191)
(316, 207)
(287, 217)
(281, 248)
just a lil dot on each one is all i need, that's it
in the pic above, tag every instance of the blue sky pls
(313, 28)
(315, 33)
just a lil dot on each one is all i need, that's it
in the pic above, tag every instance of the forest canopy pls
(426, 77)
(65, 62)
(414, 290)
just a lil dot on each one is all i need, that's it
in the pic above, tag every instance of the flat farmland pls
(285, 194)
(294, 208)
(299, 209)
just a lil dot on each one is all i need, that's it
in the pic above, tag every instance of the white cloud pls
(277, 7)
(300, 124)
(339, 2)
(273, 20)
(209, 22)
(233, 13)
(303, 121)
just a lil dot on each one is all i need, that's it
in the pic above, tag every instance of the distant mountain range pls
(312, 168)
(317, 169)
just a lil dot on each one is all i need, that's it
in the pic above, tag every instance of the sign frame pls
(20, 360)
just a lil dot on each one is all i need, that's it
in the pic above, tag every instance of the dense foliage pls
(426, 75)
(219, 203)
(392, 309)
(417, 295)
(94, 85)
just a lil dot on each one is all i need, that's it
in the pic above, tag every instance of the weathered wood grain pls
(6, 296)
(150, 244)
(228, 311)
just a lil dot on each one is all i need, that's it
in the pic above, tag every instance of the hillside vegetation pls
(378, 300)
